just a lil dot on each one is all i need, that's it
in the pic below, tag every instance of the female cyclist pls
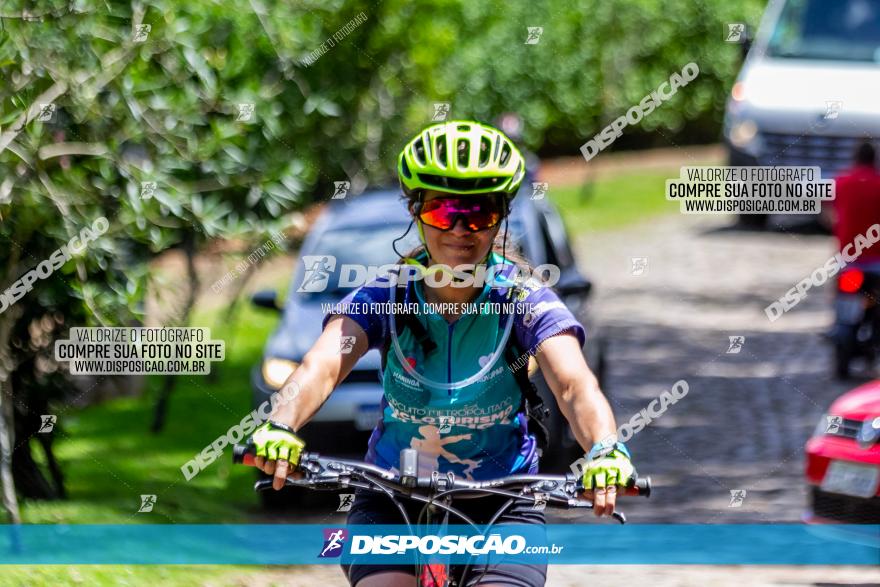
(448, 391)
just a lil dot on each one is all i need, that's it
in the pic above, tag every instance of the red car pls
(843, 460)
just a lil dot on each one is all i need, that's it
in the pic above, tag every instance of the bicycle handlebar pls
(336, 473)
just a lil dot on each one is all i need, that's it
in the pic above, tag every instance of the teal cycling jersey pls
(474, 429)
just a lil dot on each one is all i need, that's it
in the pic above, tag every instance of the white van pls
(809, 89)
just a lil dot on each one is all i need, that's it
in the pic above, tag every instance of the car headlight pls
(276, 371)
(744, 135)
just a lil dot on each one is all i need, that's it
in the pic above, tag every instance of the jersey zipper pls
(449, 358)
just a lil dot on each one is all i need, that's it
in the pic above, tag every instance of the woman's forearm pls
(303, 394)
(588, 413)
(323, 367)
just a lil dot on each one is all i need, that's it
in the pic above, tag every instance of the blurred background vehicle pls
(843, 460)
(361, 230)
(806, 92)
(856, 330)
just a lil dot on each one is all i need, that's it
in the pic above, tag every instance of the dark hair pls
(866, 154)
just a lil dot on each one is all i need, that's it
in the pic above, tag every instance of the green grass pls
(110, 458)
(114, 576)
(614, 202)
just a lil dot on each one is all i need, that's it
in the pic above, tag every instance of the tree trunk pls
(7, 417)
(231, 314)
(160, 412)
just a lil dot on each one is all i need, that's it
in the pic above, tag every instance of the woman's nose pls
(459, 228)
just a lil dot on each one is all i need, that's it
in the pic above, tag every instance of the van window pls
(847, 30)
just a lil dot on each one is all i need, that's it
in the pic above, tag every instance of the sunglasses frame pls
(499, 197)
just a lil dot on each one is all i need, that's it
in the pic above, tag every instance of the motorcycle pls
(856, 330)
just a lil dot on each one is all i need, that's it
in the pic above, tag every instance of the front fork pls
(435, 573)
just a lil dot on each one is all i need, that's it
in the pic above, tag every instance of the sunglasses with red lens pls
(478, 212)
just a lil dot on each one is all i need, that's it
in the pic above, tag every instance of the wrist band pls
(601, 449)
(281, 426)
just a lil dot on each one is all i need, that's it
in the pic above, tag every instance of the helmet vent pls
(485, 148)
(505, 155)
(440, 150)
(405, 168)
(464, 127)
(464, 151)
(419, 151)
(480, 184)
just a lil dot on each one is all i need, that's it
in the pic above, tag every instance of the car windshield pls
(847, 30)
(369, 246)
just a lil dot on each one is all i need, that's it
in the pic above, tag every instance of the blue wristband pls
(601, 449)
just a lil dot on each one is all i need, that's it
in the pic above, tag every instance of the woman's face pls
(458, 245)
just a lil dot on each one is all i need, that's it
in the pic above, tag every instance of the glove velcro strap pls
(279, 426)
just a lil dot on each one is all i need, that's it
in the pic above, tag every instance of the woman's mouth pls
(460, 248)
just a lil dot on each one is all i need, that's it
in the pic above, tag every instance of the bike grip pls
(640, 487)
(243, 454)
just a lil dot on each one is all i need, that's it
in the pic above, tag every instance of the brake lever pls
(575, 503)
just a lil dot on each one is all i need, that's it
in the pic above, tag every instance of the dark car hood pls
(300, 328)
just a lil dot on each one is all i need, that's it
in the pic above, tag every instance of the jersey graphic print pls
(476, 430)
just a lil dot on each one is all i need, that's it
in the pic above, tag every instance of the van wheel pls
(753, 221)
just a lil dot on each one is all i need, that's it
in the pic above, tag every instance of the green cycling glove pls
(608, 466)
(276, 441)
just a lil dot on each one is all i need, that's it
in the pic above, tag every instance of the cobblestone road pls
(746, 417)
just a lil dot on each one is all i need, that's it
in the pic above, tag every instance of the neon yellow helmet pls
(461, 157)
